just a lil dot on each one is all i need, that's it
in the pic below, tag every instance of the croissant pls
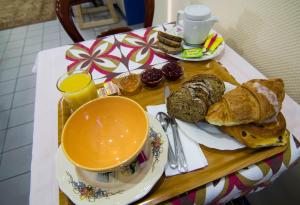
(257, 136)
(256, 101)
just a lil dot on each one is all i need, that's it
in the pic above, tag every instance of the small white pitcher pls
(196, 21)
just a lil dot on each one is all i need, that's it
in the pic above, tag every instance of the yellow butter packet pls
(192, 53)
(111, 88)
(215, 45)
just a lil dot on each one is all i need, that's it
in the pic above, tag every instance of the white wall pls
(265, 32)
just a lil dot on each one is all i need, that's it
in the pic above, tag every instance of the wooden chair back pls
(149, 12)
(64, 15)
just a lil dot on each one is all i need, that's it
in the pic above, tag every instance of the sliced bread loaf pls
(191, 102)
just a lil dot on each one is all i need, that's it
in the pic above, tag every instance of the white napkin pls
(193, 154)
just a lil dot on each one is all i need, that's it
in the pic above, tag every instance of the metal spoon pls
(164, 122)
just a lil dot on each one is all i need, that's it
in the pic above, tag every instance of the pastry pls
(257, 136)
(191, 101)
(256, 101)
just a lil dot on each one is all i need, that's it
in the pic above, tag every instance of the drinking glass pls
(77, 88)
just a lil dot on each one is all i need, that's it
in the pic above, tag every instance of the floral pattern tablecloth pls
(108, 57)
(134, 51)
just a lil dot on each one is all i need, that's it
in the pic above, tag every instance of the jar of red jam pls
(152, 77)
(172, 71)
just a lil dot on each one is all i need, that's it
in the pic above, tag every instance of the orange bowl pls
(105, 133)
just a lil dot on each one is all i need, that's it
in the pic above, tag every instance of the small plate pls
(87, 188)
(206, 56)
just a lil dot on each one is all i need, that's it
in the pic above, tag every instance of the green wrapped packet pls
(192, 53)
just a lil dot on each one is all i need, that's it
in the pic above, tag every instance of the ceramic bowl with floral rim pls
(90, 188)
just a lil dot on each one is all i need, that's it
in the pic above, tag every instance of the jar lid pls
(197, 12)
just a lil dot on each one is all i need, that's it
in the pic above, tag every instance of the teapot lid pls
(197, 12)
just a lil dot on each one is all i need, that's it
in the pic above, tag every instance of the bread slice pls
(169, 42)
(169, 36)
(198, 90)
(190, 103)
(169, 49)
(184, 105)
(209, 83)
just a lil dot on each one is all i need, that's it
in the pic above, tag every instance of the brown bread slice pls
(169, 36)
(198, 90)
(169, 49)
(183, 104)
(209, 83)
(168, 42)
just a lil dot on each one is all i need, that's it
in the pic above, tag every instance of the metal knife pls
(179, 154)
(167, 93)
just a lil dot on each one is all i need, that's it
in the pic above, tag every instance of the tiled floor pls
(18, 50)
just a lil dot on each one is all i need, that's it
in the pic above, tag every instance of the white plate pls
(206, 56)
(74, 181)
(209, 135)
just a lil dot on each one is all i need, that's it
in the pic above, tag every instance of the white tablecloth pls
(49, 65)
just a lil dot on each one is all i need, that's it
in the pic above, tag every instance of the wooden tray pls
(220, 163)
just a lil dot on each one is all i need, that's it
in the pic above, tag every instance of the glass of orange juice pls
(77, 88)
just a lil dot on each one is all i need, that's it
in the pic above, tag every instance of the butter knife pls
(179, 154)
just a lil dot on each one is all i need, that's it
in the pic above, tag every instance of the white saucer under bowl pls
(87, 188)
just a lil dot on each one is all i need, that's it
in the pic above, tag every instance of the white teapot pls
(196, 21)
